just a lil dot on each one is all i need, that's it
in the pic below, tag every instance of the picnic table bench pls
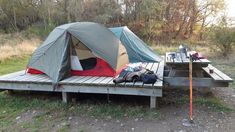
(217, 75)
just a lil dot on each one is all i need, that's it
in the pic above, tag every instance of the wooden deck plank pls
(69, 79)
(91, 80)
(24, 77)
(78, 79)
(44, 78)
(16, 78)
(155, 67)
(138, 83)
(34, 78)
(11, 77)
(98, 80)
(159, 73)
(111, 81)
(106, 80)
(8, 76)
(74, 79)
(149, 66)
(85, 79)
(144, 65)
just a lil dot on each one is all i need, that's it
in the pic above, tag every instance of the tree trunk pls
(67, 13)
(14, 17)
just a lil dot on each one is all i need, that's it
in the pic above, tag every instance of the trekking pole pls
(191, 88)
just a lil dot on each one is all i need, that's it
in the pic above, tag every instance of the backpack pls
(149, 77)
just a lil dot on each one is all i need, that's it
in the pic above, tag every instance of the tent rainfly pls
(138, 50)
(82, 48)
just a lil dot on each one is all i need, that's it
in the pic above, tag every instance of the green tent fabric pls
(138, 51)
(52, 57)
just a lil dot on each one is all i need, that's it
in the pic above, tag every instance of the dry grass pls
(162, 49)
(16, 46)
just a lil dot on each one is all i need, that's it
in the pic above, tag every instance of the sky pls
(230, 8)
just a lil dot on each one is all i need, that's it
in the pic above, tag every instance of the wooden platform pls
(86, 84)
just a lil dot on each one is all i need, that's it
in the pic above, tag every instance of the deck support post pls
(65, 97)
(153, 101)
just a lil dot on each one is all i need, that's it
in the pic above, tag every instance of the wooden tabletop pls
(181, 58)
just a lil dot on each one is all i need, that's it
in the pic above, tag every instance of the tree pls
(224, 37)
(207, 13)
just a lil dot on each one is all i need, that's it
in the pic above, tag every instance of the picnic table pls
(177, 72)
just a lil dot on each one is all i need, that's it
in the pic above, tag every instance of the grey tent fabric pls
(52, 57)
(138, 51)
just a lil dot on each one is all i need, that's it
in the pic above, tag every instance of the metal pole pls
(191, 88)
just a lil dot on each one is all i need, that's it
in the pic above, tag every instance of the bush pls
(39, 31)
(224, 38)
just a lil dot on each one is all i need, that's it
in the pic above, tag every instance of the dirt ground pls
(173, 117)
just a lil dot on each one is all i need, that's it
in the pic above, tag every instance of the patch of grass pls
(116, 111)
(225, 65)
(211, 102)
(16, 45)
(64, 129)
(13, 106)
(162, 49)
(54, 111)
(13, 64)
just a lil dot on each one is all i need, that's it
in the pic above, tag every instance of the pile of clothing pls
(136, 73)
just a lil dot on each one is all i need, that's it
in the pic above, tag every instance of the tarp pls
(137, 50)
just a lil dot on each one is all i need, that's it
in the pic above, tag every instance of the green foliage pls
(15, 14)
(120, 111)
(224, 38)
(93, 12)
(41, 31)
(211, 102)
(153, 20)
(14, 106)
(13, 64)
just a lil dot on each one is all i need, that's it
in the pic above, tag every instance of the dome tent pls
(138, 50)
(76, 45)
